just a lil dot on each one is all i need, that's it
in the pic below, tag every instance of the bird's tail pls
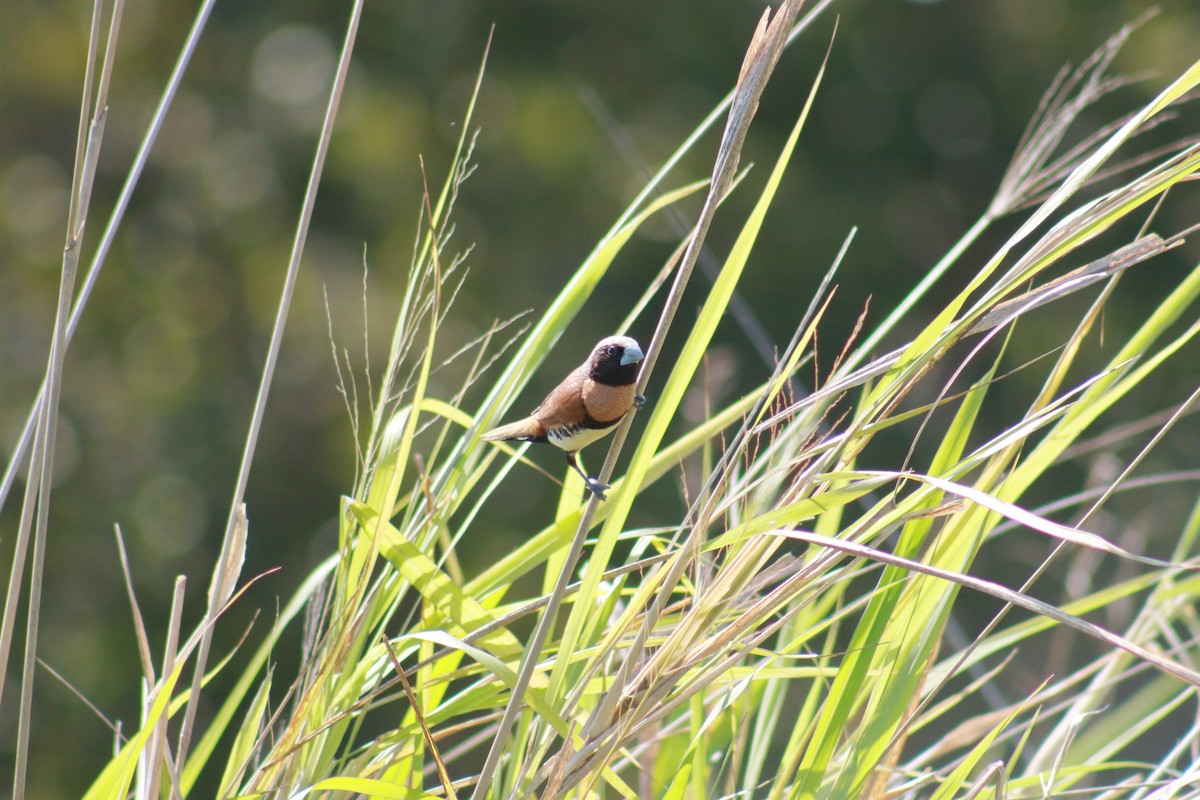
(524, 430)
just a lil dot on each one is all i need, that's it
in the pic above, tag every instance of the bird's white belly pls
(573, 439)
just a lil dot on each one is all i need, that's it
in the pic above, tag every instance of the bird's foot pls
(597, 488)
(639, 400)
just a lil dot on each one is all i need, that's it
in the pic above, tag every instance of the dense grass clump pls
(795, 630)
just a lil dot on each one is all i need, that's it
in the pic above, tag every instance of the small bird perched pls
(585, 407)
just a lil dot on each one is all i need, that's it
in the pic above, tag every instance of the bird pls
(587, 406)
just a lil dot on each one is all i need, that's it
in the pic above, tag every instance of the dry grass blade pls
(558, 767)
(1030, 520)
(139, 625)
(994, 774)
(443, 775)
(158, 753)
(226, 574)
(1101, 269)
(1007, 595)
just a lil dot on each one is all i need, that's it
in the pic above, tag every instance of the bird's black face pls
(615, 361)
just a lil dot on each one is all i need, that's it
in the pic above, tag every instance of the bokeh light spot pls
(239, 170)
(858, 119)
(34, 192)
(160, 357)
(954, 119)
(293, 65)
(170, 514)
(188, 129)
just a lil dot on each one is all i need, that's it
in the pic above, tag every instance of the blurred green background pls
(921, 108)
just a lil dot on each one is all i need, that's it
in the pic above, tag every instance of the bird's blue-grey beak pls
(633, 354)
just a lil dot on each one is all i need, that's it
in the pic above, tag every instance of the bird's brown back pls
(564, 405)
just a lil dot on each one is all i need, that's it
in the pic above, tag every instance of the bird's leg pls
(639, 400)
(594, 486)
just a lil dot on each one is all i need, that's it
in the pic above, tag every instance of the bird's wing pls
(564, 405)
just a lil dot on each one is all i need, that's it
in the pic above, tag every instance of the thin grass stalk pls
(20, 553)
(669, 166)
(7, 627)
(665, 581)
(222, 589)
(88, 142)
(157, 752)
(755, 332)
(110, 231)
(761, 59)
(170, 659)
